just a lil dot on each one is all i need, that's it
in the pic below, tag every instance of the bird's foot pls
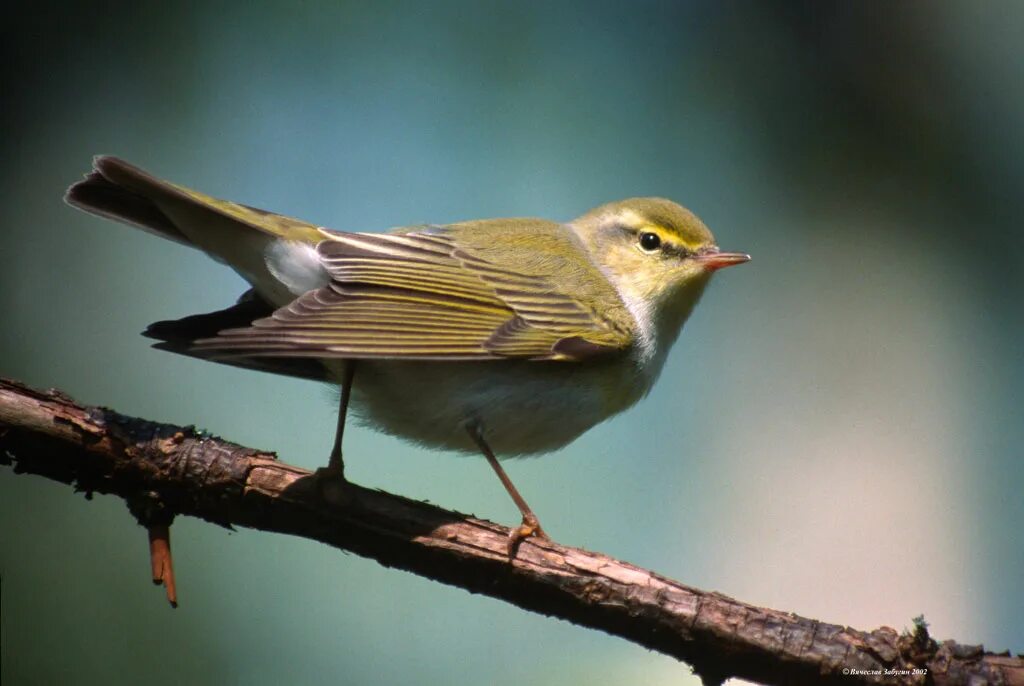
(330, 483)
(529, 528)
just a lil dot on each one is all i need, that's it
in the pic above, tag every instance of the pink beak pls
(719, 260)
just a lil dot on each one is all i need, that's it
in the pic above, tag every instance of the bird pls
(502, 337)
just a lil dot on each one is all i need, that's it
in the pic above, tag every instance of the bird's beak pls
(719, 260)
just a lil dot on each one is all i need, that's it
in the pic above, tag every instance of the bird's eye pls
(650, 241)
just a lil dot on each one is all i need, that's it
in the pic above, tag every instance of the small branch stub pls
(152, 512)
(160, 559)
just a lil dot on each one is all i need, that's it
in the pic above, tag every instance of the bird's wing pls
(422, 295)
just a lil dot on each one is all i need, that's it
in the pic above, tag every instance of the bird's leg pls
(530, 525)
(336, 464)
(334, 472)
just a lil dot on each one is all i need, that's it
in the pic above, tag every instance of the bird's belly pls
(522, 407)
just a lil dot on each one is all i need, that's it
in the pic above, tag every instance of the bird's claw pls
(529, 528)
(331, 484)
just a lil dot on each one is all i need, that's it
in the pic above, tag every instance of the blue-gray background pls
(836, 433)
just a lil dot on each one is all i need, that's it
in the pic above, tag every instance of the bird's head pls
(654, 251)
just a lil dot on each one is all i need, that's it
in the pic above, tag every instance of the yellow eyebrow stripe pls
(667, 236)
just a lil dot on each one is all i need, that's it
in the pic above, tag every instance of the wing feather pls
(418, 296)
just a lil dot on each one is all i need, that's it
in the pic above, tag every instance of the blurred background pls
(836, 433)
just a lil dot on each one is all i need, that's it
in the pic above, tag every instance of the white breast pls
(524, 407)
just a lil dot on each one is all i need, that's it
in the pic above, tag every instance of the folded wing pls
(419, 296)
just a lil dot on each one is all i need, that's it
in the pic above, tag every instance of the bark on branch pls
(163, 470)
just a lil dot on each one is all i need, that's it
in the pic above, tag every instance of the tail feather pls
(235, 234)
(98, 195)
(229, 232)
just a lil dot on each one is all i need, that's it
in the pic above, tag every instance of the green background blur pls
(837, 432)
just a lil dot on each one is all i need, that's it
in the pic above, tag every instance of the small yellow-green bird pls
(506, 337)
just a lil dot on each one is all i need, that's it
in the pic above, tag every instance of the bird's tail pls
(116, 190)
(232, 233)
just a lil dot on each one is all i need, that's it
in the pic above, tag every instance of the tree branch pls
(163, 470)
